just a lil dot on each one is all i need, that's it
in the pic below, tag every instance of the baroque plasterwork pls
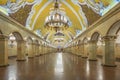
(41, 9)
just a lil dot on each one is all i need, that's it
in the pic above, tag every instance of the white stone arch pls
(113, 30)
(29, 46)
(17, 35)
(95, 36)
(79, 41)
(20, 45)
(36, 41)
(29, 39)
(85, 40)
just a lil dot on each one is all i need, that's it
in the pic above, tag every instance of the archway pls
(3, 50)
(95, 36)
(111, 44)
(84, 48)
(113, 30)
(20, 45)
(117, 46)
(29, 45)
(36, 48)
(12, 46)
(93, 46)
(79, 48)
(40, 48)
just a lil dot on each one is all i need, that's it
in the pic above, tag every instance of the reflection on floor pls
(58, 66)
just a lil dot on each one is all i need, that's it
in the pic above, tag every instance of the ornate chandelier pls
(57, 20)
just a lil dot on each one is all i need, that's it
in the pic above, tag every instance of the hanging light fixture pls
(57, 19)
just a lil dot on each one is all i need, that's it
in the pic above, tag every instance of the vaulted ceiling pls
(32, 14)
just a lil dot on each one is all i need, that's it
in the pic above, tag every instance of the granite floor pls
(58, 66)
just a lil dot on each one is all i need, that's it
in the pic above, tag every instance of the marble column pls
(109, 51)
(40, 50)
(92, 51)
(71, 48)
(30, 50)
(37, 50)
(77, 50)
(21, 45)
(34, 49)
(3, 50)
(80, 50)
(43, 50)
(84, 50)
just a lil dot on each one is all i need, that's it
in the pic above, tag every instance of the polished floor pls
(58, 66)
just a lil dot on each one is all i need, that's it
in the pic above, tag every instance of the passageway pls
(58, 66)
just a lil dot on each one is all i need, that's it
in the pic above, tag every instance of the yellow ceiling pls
(40, 10)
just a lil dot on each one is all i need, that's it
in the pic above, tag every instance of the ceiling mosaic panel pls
(32, 14)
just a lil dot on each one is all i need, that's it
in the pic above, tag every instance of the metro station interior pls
(59, 39)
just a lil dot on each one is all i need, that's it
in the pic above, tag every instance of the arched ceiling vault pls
(82, 13)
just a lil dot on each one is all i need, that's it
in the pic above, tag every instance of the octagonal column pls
(34, 49)
(84, 50)
(30, 50)
(109, 51)
(92, 50)
(80, 50)
(42, 49)
(21, 50)
(37, 50)
(3, 50)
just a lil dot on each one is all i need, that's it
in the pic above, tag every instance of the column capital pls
(109, 37)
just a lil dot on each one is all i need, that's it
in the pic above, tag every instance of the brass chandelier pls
(57, 20)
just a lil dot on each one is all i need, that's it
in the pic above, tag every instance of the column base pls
(109, 65)
(4, 65)
(92, 59)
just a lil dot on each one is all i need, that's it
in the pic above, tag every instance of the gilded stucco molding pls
(18, 25)
(107, 16)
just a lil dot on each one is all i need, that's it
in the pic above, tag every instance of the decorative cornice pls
(108, 15)
(13, 22)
